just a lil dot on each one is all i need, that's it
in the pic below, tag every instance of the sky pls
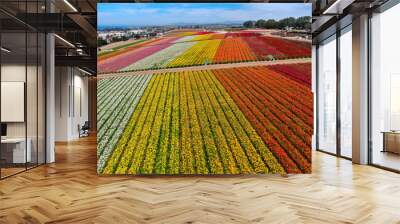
(143, 14)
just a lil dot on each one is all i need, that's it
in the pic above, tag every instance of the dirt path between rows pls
(205, 67)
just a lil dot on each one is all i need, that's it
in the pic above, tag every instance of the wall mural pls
(219, 89)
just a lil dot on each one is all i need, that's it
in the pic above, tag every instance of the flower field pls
(247, 120)
(206, 48)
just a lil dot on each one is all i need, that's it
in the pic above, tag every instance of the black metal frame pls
(338, 72)
(37, 164)
(26, 89)
(316, 97)
(369, 98)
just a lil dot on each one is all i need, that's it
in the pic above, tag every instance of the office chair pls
(84, 130)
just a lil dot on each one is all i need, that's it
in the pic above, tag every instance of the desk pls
(16, 147)
(391, 141)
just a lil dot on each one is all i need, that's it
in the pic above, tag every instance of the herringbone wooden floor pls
(69, 191)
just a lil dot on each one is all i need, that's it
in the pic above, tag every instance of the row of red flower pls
(263, 114)
(289, 47)
(286, 95)
(297, 72)
(297, 133)
(293, 89)
(277, 47)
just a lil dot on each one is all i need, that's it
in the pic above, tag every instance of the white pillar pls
(50, 98)
(62, 103)
(360, 89)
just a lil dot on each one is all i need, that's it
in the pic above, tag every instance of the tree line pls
(303, 22)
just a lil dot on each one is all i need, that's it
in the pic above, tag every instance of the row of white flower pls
(107, 102)
(104, 91)
(161, 58)
(185, 38)
(110, 132)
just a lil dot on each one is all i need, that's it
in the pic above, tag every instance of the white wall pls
(33, 126)
(71, 87)
(13, 101)
(16, 72)
(13, 72)
(82, 82)
(62, 81)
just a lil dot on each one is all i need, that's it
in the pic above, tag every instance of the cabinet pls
(391, 141)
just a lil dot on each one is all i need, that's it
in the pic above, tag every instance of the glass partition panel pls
(31, 99)
(385, 89)
(327, 95)
(346, 92)
(22, 66)
(14, 153)
(41, 98)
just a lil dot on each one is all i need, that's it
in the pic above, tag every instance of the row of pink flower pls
(120, 61)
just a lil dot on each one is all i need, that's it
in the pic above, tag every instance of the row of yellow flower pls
(196, 134)
(257, 151)
(231, 135)
(146, 150)
(216, 132)
(187, 158)
(159, 162)
(203, 37)
(174, 153)
(141, 133)
(201, 53)
(214, 161)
